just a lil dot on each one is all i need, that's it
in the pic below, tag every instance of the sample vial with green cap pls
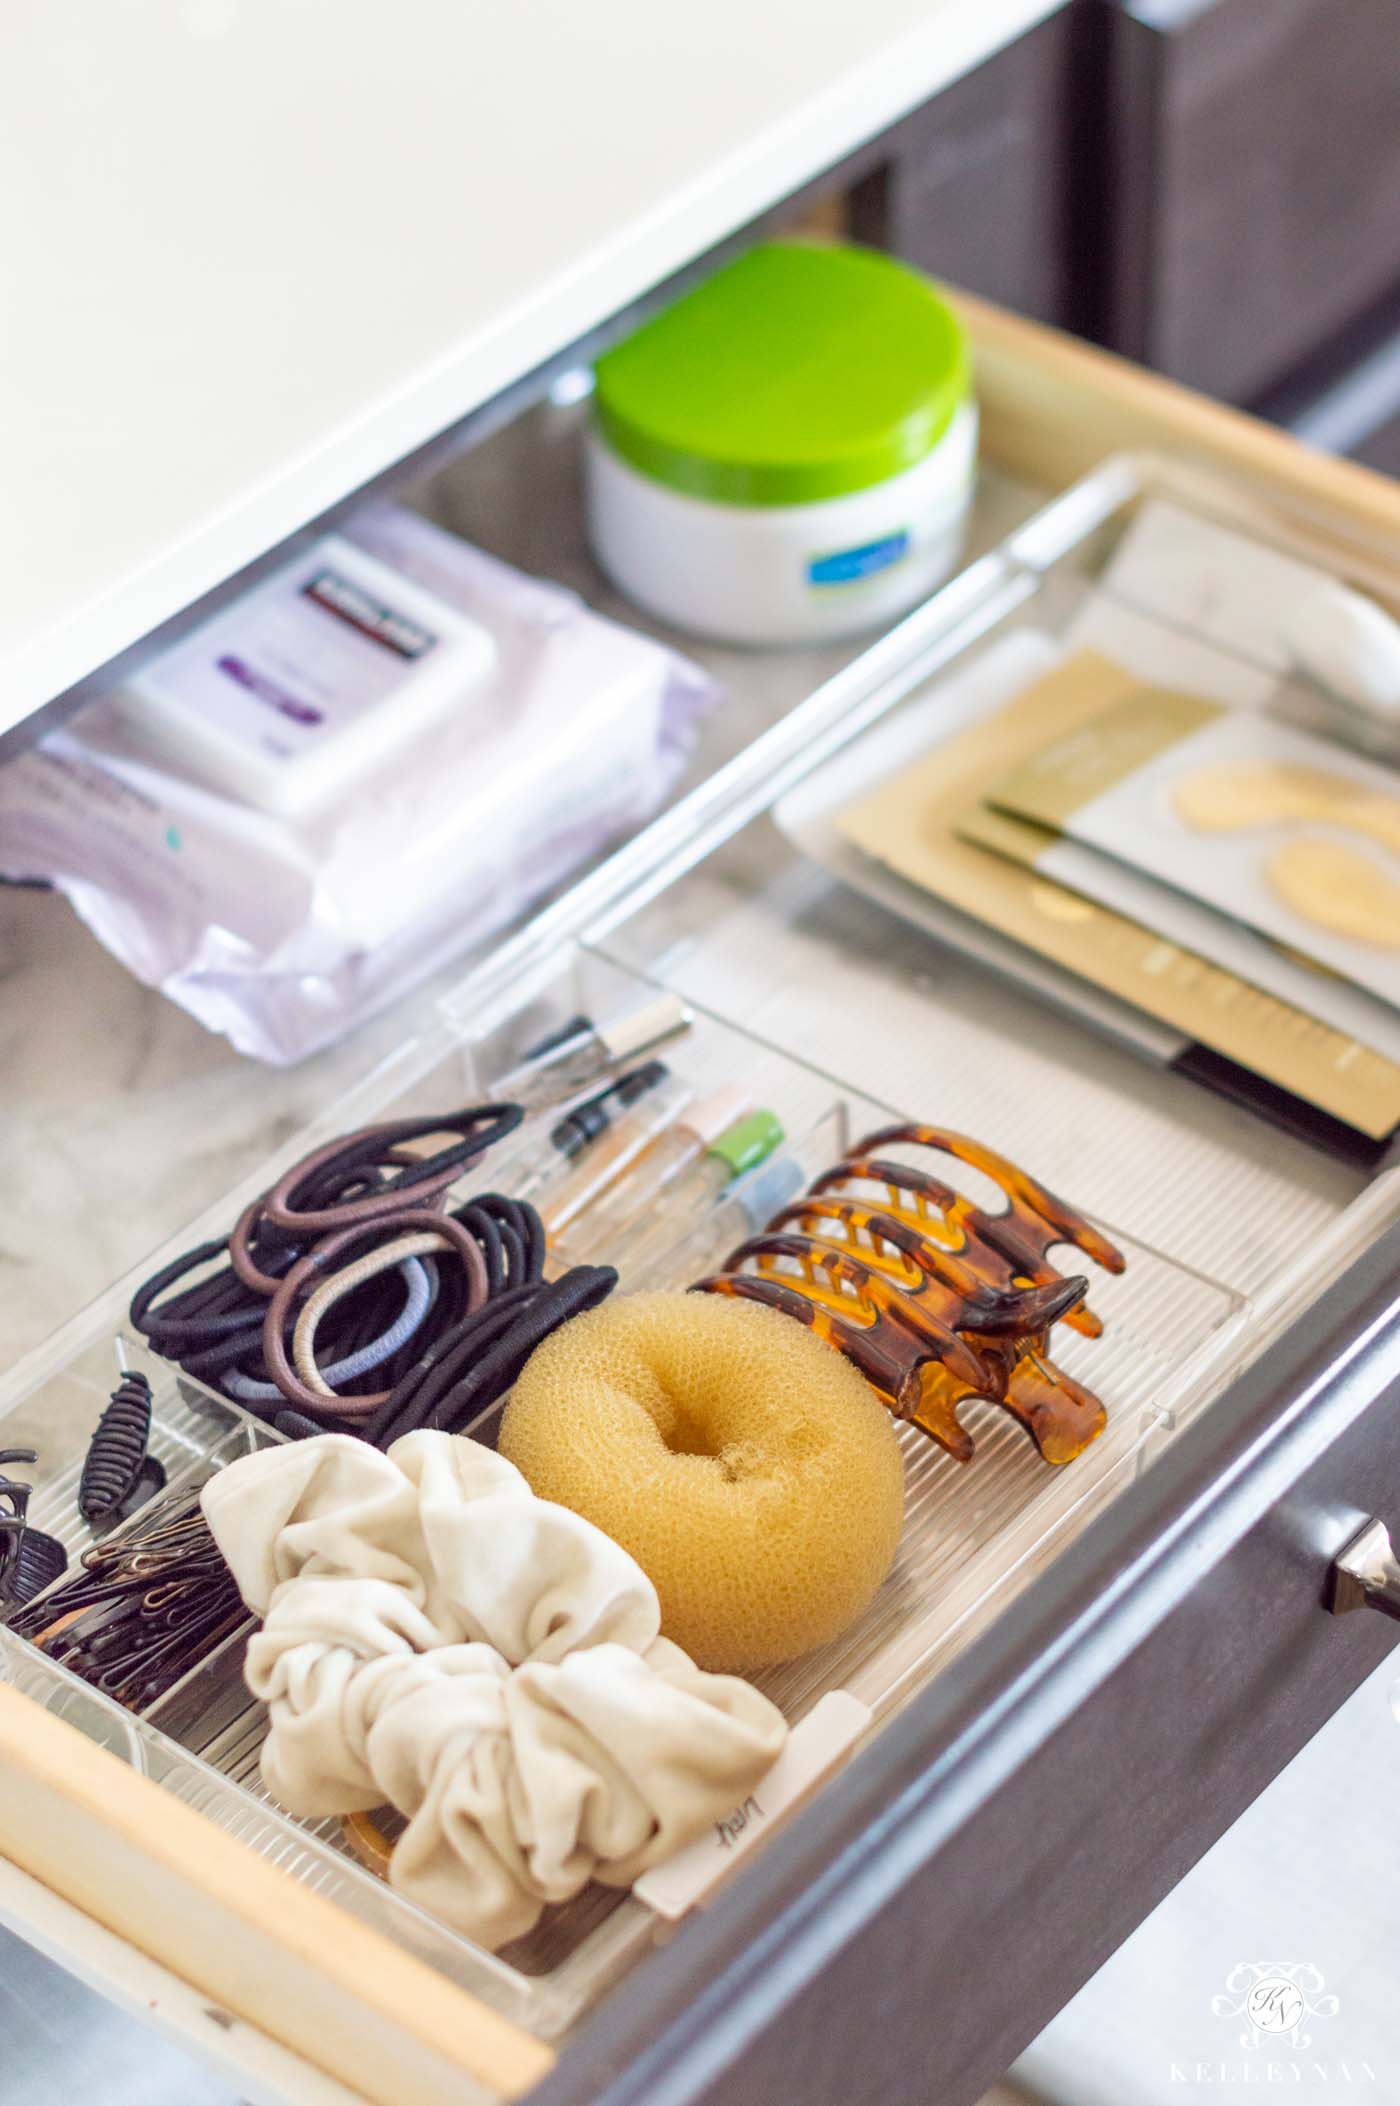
(664, 1162)
(788, 452)
(731, 1158)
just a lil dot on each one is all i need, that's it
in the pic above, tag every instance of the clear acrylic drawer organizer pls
(841, 1018)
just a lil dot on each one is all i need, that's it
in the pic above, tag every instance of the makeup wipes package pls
(376, 758)
(309, 681)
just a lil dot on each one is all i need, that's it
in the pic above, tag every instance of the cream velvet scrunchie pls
(437, 1638)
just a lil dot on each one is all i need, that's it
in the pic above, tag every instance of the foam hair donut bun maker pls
(751, 1472)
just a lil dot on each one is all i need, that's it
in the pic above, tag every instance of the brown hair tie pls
(343, 1213)
(316, 1262)
(240, 1254)
(240, 1243)
(419, 1180)
(383, 1257)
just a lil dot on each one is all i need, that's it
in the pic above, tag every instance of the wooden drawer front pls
(970, 186)
(1255, 165)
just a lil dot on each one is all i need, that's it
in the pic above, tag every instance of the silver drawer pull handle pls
(1366, 1574)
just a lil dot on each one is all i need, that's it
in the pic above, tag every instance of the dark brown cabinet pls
(976, 187)
(1211, 187)
(1252, 154)
(1382, 449)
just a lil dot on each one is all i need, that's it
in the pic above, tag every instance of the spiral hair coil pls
(118, 1474)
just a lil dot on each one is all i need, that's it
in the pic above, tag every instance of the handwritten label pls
(814, 1746)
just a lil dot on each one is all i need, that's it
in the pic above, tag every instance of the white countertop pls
(252, 254)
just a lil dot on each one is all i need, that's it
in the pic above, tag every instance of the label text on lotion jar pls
(814, 1746)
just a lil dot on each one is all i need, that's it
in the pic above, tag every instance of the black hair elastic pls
(205, 1310)
(512, 1239)
(471, 1369)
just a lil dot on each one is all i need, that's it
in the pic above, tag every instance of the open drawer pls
(1076, 1678)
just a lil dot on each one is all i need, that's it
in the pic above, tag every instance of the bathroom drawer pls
(1124, 1695)
(1254, 155)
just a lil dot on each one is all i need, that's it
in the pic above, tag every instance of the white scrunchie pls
(437, 1638)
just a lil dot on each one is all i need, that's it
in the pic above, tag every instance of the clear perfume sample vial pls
(674, 1259)
(564, 1066)
(544, 1155)
(670, 1158)
(722, 1167)
(563, 1198)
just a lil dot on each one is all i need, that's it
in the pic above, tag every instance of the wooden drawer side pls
(245, 1933)
(1053, 407)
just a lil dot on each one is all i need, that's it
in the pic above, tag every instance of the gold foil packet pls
(914, 825)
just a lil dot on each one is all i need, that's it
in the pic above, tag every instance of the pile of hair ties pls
(351, 1298)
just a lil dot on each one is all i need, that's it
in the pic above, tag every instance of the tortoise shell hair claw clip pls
(1010, 1247)
(932, 1276)
(925, 1364)
(1008, 1327)
(854, 1309)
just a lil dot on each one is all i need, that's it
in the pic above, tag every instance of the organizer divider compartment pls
(191, 1436)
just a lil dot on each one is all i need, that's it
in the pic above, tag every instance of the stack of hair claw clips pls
(932, 1298)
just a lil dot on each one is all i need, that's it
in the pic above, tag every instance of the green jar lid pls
(798, 372)
(748, 1141)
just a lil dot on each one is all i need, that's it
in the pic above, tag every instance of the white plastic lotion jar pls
(788, 453)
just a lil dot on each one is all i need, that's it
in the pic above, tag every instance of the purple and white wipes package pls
(294, 692)
(283, 930)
